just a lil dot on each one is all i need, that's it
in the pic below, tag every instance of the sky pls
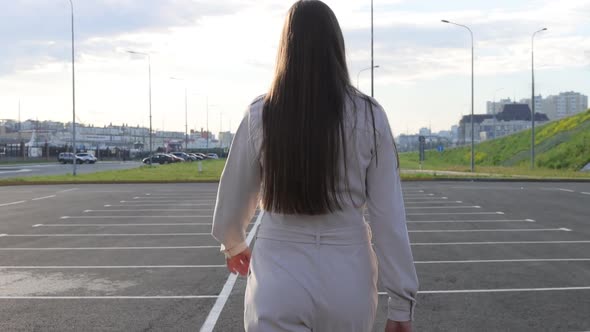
(225, 50)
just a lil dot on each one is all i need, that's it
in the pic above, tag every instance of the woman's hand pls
(393, 326)
(239, 263)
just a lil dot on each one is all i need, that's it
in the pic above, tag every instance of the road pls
(42, 169)
(489, 256)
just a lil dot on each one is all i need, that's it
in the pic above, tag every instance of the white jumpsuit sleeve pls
(238, 192)
(388, 224)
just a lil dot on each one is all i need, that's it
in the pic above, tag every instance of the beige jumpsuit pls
(319, 273)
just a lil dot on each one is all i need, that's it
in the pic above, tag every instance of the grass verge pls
(188, 172)
(182, 172)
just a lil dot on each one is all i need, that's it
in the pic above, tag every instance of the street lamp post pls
(359, 74)
(533, 97)
(150, 90)
(73, 95)
(472, 93)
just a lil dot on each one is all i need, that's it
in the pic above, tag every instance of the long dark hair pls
(303, 115)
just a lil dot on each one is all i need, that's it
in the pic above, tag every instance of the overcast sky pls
(226, 50)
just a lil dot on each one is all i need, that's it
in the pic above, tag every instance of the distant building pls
(565, 104)
(425, 131)
(538, 103)
(495, 107)
(513, 118)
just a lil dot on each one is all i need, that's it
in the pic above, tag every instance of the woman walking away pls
(316, 153)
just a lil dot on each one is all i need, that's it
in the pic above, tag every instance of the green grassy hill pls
(561, 145)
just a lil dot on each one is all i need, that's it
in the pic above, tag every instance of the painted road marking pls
(585, 193)
(492, 230)
(67, 190)
(467, 221)
(498, 290)
(433, 202)
(213, 315)
(423, 198)
(451, 213)
(531, 260)
(497, 242)
(45, 197)
(122, 225)
(114, 297)
(110, 248)
(13, 203)
(149, 210)
(152, 205)
(444, 207)
(103, 235)
(131, 217)
(167, 203)
(144, 201)
(566, 190)
(72, 267)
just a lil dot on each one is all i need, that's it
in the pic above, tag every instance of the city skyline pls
(208, 42)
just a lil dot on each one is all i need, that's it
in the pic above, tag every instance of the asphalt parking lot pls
(42, 169)
(489, 256)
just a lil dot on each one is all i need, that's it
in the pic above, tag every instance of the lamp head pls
(445, 21)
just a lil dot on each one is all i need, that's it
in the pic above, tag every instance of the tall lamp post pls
(533, 97)
(359, 74)
(150, 90)
(185, 113)
(73, 94)
(472, 92)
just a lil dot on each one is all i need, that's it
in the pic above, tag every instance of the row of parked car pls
(80, 158)
(175, 157)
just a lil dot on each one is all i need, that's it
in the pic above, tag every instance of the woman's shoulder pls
(367, 112)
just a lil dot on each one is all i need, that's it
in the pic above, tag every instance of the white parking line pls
(213, 315)
(451, 213)
(433, 202)
(566, 190)
(122, 225)
(585, 193)
(149, 210)
(531, 260)
(469, 221)
(45, 197)
(423, 198)
(163, 203)
(67, 190)
(418, 195)
(110, 248)
(130, 217)
(496, 243)
(106, 235)
(444, 207)
(100, 267)
(143, 201)
(153, 205)
(113, 297)
(13, 203)
(492, 230)
(498, 290)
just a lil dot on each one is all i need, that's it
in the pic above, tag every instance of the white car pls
(86, 158)
(212, 156)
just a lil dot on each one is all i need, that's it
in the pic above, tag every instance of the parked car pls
(202, 155)
(175, 158)
(160, 158)
(212, 156)
(182, 155)
(65, 157)
(196, 156)
(86, 158)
